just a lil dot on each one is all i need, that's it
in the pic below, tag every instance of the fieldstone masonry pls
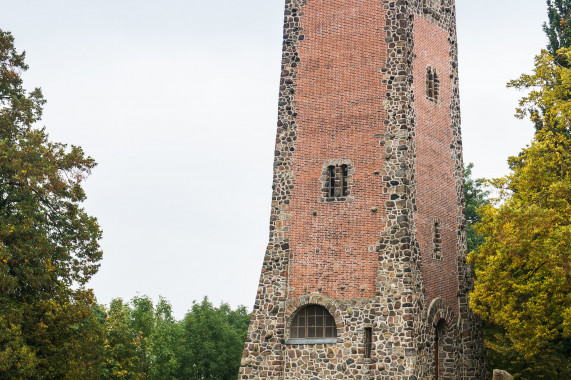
(353, 92)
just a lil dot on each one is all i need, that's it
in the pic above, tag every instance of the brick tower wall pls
(339, 99)
(349, 81)
(436, 198)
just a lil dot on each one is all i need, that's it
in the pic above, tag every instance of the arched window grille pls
(313, 322)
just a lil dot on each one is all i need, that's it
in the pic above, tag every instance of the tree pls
(212, 342)
(122, 343)
(558, 29)
(158, 332)
(475, 197)
(164, 339)
(48, 244)
(523, 273)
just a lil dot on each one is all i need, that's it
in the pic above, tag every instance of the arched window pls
(313, 322)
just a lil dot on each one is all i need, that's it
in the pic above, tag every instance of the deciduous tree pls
(213, 340)
(475, 196)
(48, 244)
(523, 268)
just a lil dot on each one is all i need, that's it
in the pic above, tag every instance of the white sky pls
(177, 101)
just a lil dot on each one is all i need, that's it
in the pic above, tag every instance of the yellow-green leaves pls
(523, 268)
(48, 244)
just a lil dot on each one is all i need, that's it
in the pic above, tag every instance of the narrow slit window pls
(368, 341)
(436, 239)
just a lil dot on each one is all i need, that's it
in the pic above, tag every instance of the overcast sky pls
(177, 102)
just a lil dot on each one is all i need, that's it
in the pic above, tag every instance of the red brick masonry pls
(340, 109)
(436, 195)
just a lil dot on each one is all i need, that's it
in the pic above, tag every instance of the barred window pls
(432, 84)
(337, 181)
(313, 322)
(331, 182)
(436, 239)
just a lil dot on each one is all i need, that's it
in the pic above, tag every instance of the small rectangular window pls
(368, 341)
(336, 182)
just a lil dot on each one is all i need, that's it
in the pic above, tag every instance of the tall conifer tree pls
(558, 28)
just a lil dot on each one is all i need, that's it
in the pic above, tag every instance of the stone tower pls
(365, 274)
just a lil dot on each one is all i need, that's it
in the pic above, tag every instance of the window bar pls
(331, 181)
(345, 175)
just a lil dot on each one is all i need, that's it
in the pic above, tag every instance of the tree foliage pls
(558, 28)
(50, 324)
(523, 268)
(213, 340)
(48, 244)
(475, 197)
(144, 341)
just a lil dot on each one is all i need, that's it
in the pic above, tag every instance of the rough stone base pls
(502, 375)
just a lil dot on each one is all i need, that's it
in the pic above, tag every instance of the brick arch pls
(296, 304)
(440, 310)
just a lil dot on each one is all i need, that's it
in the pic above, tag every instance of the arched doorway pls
(439, 354)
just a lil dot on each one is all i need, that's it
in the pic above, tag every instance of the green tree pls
(212, 342)
(164, 339)
(158, 333)
(140, 340)
(558, 28)
(48, 244)
(523, 274)
(475, 197)
(142, 321)
(122, 344)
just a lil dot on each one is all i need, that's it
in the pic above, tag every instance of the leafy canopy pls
(523, 268)
(475, 196)
(48, 244)
(558, 28)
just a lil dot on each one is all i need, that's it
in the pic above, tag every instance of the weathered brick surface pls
(435, 190)
(339, 112)
(353, 92)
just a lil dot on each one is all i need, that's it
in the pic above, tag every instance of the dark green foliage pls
(558, 31)
(144, 341)
(551, 364)
(165, 338)
(475, 197)
(213, 339)
(558, 28)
